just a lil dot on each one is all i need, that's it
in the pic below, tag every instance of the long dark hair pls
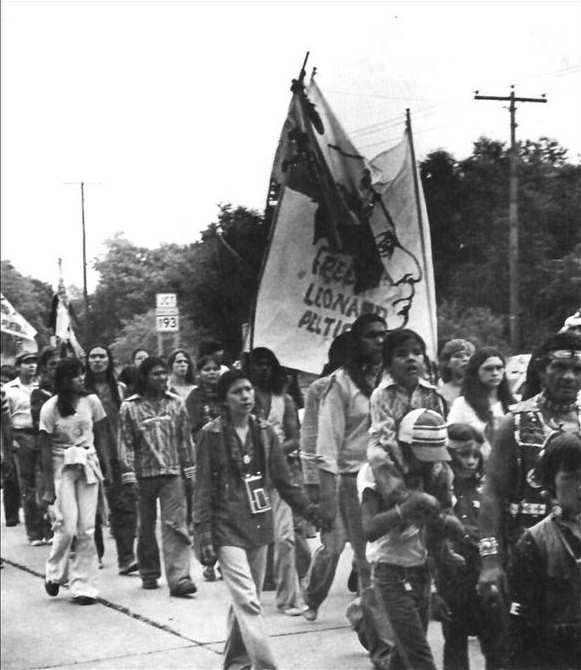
(278, 379)
(143, 371)
(354, 365)
(66, 370)
(338, 353)
(109, 375)
(171, 360)
(474, 391)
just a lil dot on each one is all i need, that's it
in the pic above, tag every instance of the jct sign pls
(167, 318)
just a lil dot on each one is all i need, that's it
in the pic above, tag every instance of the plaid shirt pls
(154, 439)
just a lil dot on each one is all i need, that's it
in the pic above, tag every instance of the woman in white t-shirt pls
(71, 428)
(486, 395)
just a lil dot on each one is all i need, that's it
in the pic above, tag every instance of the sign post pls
(167, 317)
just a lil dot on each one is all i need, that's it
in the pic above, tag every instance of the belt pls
(531, 509)
(349, 474)
(25, 431)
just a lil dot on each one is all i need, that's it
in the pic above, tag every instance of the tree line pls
(216, 277)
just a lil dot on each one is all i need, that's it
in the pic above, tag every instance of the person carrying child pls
(461, 610)
(398, 528)
(545, 573)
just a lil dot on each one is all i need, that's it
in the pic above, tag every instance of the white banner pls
(14, 323)
(332, 197)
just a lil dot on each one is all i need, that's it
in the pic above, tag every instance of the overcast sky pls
(167, 108)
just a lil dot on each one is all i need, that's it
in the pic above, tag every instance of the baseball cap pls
(426, 433)
(25, 355)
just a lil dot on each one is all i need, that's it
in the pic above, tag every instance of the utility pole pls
(513, 212)
(87, 328)
(85, 292)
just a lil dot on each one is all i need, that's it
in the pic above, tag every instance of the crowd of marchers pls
(461, 501)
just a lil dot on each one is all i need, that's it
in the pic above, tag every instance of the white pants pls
(74, 513)
(247, 643)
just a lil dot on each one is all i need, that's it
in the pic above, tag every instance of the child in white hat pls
(397, 531)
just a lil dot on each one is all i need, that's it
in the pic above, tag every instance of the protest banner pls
(349, 236)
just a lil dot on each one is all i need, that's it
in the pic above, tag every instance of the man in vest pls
(512, 499)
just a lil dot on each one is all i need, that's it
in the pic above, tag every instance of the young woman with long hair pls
(71, 431)
(181, 373)
(486, 394)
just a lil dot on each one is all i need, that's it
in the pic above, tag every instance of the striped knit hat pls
(426, 432)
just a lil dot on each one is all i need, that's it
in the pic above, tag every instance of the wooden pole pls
(513, 223)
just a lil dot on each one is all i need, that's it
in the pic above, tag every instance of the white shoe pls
(291, 611)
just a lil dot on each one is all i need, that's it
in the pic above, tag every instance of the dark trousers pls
(469, 616)
(174, 532)
(27, 464)
(10, 489)
(123, 515)
(405, 594)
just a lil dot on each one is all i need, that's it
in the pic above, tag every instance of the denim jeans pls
(174, 534)
(74, 514)
(405, 594)
(247, 644)
(373, 628)
(27, 458)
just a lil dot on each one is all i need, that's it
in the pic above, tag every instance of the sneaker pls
(84, 600)
(292, 611)
(52, 588)
(36, 543)
(209, 573)
(101, 564)
(48, 540)
(184, 590)
(129, 568)
(150, 584)
(310, 614)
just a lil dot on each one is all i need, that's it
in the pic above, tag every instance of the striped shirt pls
(154, 438)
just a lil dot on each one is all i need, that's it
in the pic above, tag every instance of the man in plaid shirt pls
(156, 454)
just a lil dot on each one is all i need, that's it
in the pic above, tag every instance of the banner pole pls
(429, 294)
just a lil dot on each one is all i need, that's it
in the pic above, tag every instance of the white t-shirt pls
(76, 429)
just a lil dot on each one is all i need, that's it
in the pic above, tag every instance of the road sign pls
(167, 324)
(164, 301)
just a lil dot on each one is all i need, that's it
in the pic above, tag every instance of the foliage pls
(468, 209)
(215, 280)
(477, 324)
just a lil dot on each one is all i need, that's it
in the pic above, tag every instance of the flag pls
(14, 323)
(61, 323)
(348, 236)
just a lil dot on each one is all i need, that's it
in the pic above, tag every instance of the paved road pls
(133, 628)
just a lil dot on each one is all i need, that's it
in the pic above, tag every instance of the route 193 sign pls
(167, 318)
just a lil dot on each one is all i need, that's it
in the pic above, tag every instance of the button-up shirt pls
(18, 397)
(389, 404)
(343, 426)
(154, 438)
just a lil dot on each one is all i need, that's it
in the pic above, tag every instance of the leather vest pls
(562, 601)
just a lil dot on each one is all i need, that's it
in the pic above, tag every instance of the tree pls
(468, 209)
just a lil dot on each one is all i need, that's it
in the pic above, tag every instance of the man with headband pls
(513, 500)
